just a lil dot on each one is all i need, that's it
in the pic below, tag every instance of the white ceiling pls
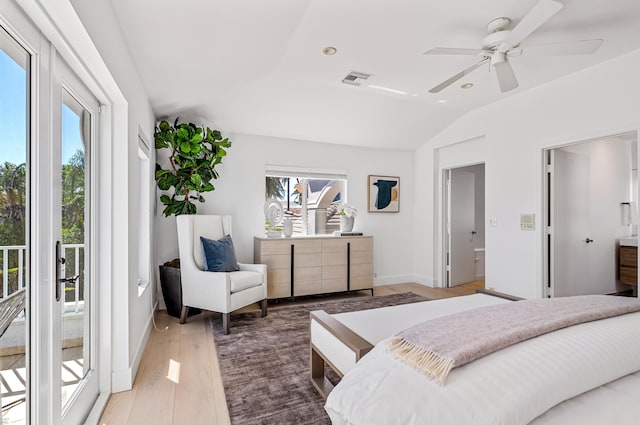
(256, 66)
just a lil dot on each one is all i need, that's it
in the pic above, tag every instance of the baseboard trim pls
(137, 359)
(122, 380)
(392, 280)
(425, 280)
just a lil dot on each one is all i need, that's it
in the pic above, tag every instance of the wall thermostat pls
(527, 221)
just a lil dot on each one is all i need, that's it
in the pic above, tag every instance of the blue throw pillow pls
(219, 256)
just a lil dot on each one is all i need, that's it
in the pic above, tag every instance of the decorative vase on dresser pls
(346, 223)
(287, 227)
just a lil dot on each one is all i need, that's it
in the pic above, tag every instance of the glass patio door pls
(15, 214)
(75, 355)
(48, 318)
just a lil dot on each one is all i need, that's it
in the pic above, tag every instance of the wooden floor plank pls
(196, 372)
(155, 390)
(119, 408)
(222, 411)
(198, 396)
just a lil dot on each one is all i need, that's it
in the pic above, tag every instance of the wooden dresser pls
(628, 265)
(316, 264)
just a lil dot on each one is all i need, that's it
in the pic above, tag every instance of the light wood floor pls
(179, 378)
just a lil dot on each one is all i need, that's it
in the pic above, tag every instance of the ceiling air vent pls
(356, 78)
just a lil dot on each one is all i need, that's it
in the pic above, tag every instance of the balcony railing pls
(6, 270)
(14, 272)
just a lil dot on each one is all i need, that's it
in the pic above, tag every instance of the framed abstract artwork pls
(384, 194)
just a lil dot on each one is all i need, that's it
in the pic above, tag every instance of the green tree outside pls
(13, 197)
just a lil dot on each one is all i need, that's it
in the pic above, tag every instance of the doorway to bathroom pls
(591, 193)
(464, 224)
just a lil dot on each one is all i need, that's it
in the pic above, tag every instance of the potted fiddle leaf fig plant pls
(194, 153)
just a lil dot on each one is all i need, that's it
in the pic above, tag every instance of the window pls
(309, 199)
(144, 221)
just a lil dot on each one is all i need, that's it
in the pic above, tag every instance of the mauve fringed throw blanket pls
(436, 346)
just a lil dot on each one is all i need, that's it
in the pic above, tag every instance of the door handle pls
(71, 279)
(588, 240)
(60, 260)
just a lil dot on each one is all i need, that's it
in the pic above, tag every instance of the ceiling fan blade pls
(456, 51)
(459, 75)
(541, 13)
(506, 76)
(580, 47)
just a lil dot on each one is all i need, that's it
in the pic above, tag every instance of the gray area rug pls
(265, 361)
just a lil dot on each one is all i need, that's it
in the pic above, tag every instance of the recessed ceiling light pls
(442, 101)
(329, 51)
(466, 86)
(414, 95)
(373, 86)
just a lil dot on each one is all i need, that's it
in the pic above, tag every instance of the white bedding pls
(510, 387)
(380, 323)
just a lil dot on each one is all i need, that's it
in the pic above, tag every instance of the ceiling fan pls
(502, 43)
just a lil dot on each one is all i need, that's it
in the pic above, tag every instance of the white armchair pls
(215, 291)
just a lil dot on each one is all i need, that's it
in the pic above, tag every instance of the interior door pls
(570, 222)
(461, 225)
(74, 353)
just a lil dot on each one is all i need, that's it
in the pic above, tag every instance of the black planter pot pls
(172, 291)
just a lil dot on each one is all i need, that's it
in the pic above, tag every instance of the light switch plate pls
(493, 222)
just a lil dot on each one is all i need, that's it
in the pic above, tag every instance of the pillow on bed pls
(219, 256)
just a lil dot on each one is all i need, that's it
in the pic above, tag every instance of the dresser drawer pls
(362, 243)
(278, 289)
(276, 261)
(274, 247)
(629, 275)
(629, 256)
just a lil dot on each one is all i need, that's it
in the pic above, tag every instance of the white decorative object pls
(287, 227)
(274, 212)
(347, 217)
(346, 223)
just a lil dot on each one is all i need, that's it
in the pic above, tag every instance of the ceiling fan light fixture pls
(466, 86)
(329, 51)
(498, 58)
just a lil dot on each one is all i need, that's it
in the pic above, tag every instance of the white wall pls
(240, 192)
(131, 314)
(596, 102)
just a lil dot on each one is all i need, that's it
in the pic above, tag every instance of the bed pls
(587, 374)
(341, 340)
